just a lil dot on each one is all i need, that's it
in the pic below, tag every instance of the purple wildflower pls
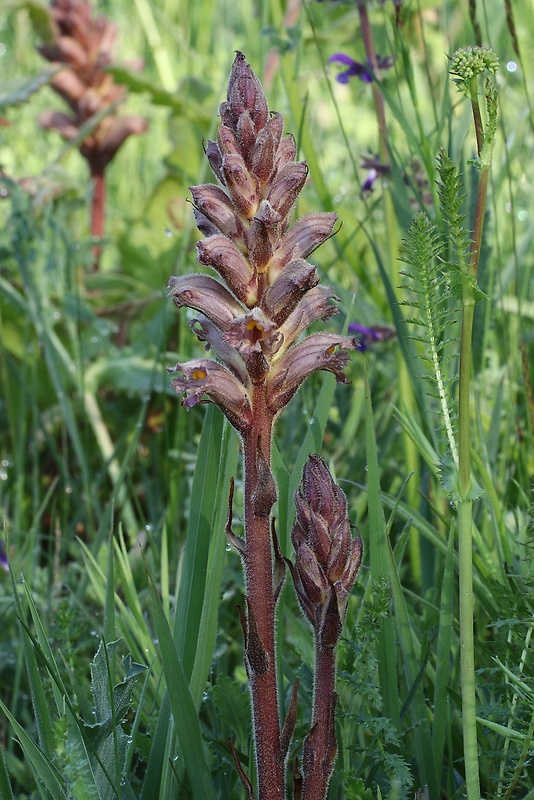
(3, 558)
(368, 334)
(364, 71)
(375, 170)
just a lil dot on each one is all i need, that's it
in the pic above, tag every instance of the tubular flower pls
(266, 293)
(363, 71)
(327, 557)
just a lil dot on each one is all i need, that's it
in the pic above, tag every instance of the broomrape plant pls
(252, 318)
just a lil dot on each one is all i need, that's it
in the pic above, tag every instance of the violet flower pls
(364, 71)
(367, 334)
(3, 558)
(376, 169)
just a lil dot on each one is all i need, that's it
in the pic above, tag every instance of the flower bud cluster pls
(83, 43)
(469, 62)
(327, 556)
(266, 293)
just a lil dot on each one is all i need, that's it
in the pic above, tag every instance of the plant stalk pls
(260, 638)
(320, 744)
(98, 206)
(465, 504)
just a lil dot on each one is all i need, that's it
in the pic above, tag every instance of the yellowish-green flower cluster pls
(469, 62)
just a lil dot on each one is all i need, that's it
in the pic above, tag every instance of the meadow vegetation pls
(121, 651)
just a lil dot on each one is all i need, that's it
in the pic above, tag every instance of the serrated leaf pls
(132, 668)
(109, 712)
(100, 680)
(449, 474)
(233, 706)
(19, 90)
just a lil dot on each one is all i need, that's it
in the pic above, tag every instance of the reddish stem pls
(258, 559)
(320, 744)
(98, 204)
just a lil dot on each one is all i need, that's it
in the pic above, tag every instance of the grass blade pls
(182, 706)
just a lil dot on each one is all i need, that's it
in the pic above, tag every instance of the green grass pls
(114, 499)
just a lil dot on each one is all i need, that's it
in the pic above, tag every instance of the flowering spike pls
(327, 557)
(272, 293)
(83, 44)
(265, 296)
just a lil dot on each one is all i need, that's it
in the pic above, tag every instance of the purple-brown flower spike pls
(83, 44)
(251, 315)
(265, 293)
(327, 556)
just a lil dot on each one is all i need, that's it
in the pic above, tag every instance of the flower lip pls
(320, 351)
(367, 334)
(364, 71)
(205, 377)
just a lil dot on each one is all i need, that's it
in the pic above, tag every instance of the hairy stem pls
(320, 744)
(260, 645)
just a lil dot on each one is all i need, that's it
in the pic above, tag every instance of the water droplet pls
(522, 215)
(148, 527)
(3, 50)
(3, 192)
(511, 66)
(3, 476)
(68, 489)
(57, 315)
(168, 233)
(59, 395)
(72, 367)
(94, 339)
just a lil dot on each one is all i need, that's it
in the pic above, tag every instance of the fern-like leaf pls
(430, 296)
(456, 267)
